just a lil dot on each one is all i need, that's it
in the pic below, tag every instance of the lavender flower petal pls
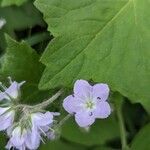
(18, 137)
(82, 89)
(71, 104)
(3, 96)
(6, 120)
(40, 119)
(83, 119)
(33, 139)
(101, 91)
(13, 90)
(103, 110)
(3, 110)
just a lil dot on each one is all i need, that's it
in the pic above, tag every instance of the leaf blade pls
(117, 53)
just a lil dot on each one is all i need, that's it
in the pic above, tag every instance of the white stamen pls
(42, 140)
(42, 131)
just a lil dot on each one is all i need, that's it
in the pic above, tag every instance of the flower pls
(42, 122)
(17, 138)
(7, 112)
(28, 133)
(88, 102)
(6, 117)
(12, 92)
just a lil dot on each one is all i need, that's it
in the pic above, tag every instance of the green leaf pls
(21, 63)
(12, 2)
(59, 145)
(106, 41)
(101, 132)
(142, 140)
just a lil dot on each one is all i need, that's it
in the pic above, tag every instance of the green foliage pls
(142, 140)
(17, 19)
(12, 2)
(59, 145)
(97, 40)
(21, 62)
(104, 148)
(106, 41)
(100, 133)
(2, 141)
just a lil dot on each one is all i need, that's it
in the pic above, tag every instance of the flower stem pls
(118, 102)
(64, 120)
(43, 104)
(49, 101)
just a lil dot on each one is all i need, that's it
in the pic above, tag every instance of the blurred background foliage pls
(22, 41)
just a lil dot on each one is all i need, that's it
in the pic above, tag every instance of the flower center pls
(89, 104)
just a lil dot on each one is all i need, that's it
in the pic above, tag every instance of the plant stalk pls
(49, 101)
(118, 102)
(43, 104)
(64, 120)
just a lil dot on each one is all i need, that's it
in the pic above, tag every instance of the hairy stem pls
(49, 101)
(43, 104)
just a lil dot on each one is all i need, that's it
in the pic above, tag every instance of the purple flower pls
(42, 122)
(17, 139)
(88, 102)
(7, 110)
(12, 92)
(29, 132)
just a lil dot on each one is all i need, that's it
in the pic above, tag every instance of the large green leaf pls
(100, 133)
(142, 140)
(12, 2)
(102, 40)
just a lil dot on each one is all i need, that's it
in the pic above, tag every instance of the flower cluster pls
(26, 126)
(29, 132)
(32, 125)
